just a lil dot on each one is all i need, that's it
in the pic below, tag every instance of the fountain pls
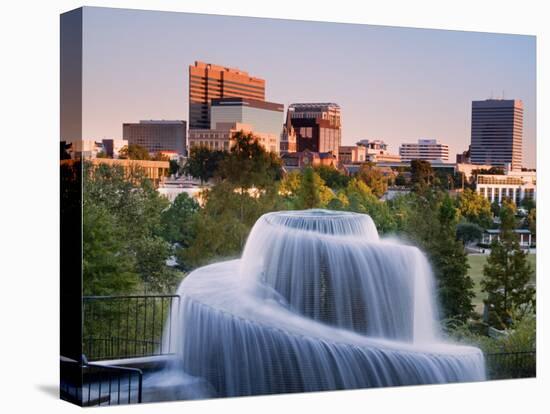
(317, 302)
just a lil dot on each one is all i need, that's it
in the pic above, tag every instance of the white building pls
(525, 238)
(377, 151)
(515, 185)
(424, 149)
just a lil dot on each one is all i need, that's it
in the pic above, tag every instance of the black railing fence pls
(506, 365)
(100, 385)
(118, 327)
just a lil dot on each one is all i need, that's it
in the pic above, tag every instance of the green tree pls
(422, 175)
(468, 232)
(495, 208)
(108, 264)
(121, 218)
(203, 163)
(174, 167)
(332, 177)
(507, 274)
(373, 177)
(134, 152)
(532, 221)
(360, 199)
(400, 180)
(308, 194)
(475, 208)
(177, 221)
(455, 286)
(247, 187)
(431, 222)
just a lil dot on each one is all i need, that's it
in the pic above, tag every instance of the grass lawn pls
(477, 261)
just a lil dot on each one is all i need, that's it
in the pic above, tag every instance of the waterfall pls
(317, 302)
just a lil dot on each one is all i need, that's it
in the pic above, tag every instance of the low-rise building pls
(352, 154)
(156, 171)
(303, 159)
(514, 185)
(222, 137)
(525, 238)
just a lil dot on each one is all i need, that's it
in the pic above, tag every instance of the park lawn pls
(477, 261)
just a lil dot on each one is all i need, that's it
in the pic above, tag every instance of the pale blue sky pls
(395, 84)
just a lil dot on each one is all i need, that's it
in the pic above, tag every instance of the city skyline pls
(394, 84)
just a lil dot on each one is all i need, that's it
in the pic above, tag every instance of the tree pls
(308, 194)
(422, 175)
(203, 163)
(177, 221)
(174, 167)
(373, 177)
(532, 221)
(159, 156)
(400, 180)
(495, 208)
(332, 177)
(122, 250)
(246, 187)
(430, 220)
(455, 286)
(468, 232)
(359, 198)
(133, 152)
(507, 274)
(475, 208)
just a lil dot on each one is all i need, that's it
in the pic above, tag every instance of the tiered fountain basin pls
(317, 302)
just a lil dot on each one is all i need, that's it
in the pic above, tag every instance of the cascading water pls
(317, 302)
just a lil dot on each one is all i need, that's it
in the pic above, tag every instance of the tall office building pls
(208, 81)
(318, 126)
(157, 136)
(497, 132)
(424, 149)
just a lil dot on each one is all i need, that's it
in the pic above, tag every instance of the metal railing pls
(118, 327)
(507, 365)
(100, 384)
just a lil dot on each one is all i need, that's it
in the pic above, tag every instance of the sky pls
(394, 84)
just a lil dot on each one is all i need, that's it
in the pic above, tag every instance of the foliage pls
(174, 167)
(133, 152)
(333, 178)
(361, 199)
(374, 178)
(495, 208)
(532, 221)
(468, 232)
(122, 250)
(475, 208)
(248, 165)
(247, 187)
(431, 223)
(422, 175)
(400, 180)
(312, 192)
(203, 163)
(519, 336)
(507, 272)
(176, 221)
